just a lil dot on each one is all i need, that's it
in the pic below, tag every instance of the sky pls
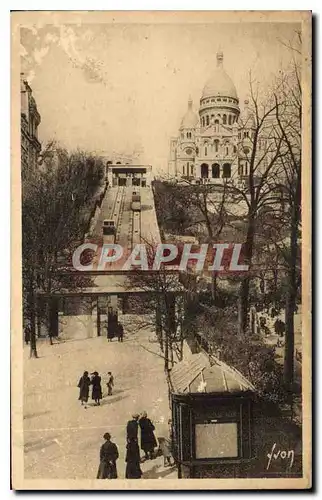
(110, 88)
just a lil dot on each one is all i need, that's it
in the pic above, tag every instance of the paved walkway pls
(61, 438)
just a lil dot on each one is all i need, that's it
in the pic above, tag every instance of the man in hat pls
(132, 427)
(108, 456)
(97, 388)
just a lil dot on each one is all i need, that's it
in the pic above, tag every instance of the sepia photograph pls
(161, 250)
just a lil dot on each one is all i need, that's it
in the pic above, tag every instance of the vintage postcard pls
(161, 279)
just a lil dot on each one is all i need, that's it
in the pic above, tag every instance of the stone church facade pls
(208, 148)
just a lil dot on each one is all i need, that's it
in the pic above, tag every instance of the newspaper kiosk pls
(211, 407)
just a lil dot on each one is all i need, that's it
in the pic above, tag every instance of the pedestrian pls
(27, 334)
(133, 427)
(132, 459)
(83, 384)
(120, 332)
(110, 383)
(165, 447)
(108, 456)
(148, 441)
(97, 388)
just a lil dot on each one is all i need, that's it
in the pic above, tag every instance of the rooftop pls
(206, 374)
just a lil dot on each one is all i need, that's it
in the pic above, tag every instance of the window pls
(239, 135)
(215, 170)
(216, 440)
(207, 120)
(229, 119)
(216, 144)
(226, 170)
(203, 121)
(212, 100)
(219, 100)
(235, 149)
(204, 170)
(246, 168)
(225, 100)
(191, 169)
(226, 151)
(183, 170)
(224, 119)
(245, 135)
(205, 150)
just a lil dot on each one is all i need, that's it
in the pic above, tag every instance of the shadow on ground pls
(156, 473)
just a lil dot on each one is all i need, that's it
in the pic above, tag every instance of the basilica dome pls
(219, 84)
(190, 119)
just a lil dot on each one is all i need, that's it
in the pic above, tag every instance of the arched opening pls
(204, 170)
(229, 119)
(207, 120)
(216, 144)
(224, 119)
(215, 170)
(203, 121)
(226, 171)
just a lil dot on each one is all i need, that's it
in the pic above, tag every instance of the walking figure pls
(132, 427)
(110, 383)
(27, 335)
(165, 445)
(83, 384)
(97, 388)
(120, 332)
(148, 441)
(132, 458)
(108, 456)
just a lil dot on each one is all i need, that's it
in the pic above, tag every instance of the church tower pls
(186, 149)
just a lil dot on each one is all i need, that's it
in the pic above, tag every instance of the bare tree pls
(166, 300)
(56, 203)
(289, 118)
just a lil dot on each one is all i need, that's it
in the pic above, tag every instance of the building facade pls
(214, 146)
(123, 174)
(30, 120)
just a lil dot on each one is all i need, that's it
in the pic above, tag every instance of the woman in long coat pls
(132, 459)
(108, 456)
(83, 384)
(97, 388)
(148, 441)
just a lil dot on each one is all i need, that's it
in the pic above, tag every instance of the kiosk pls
(212, 426)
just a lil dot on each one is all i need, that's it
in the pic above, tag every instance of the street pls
(61, 438)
